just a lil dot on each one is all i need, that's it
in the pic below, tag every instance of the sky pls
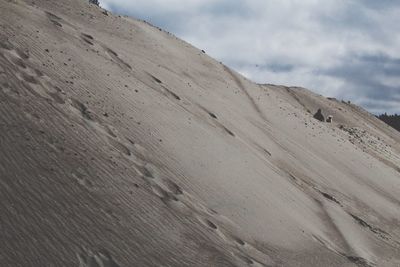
(348, 49)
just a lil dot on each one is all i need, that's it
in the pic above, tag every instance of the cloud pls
(348, 49)
(376, 76)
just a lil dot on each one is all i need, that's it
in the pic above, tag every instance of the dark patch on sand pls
(212, 115)
(171, 93)
(367, 225)
(359, 261)
(56, 20)
(329, 197)
(228, 131)
(85, 112)
(117, 59)
(156, 79)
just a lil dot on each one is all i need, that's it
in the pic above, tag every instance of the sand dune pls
(121, 145)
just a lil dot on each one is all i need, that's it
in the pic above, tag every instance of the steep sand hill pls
(121, 145)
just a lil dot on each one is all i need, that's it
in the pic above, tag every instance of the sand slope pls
(121, 145)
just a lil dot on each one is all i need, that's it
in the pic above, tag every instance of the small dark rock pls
(319, 116)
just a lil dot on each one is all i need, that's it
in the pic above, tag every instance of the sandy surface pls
(121, 145)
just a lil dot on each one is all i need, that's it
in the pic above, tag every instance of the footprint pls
(151, 174)
(5, 44)
(359, 261)
(19, 59)
(211, 225)
(144, 172)
(110, 130)
(56, 20)
(112, 52)
(207, 222)
(87, 38)
(165, 90)
(101, 258)
(119, 146)
(149, 171)
(107, 130)
(6, 88)
(252, 262)
(114, 56)
(22, 54)
(33, 79)
(326, 243)
(373, 229)
(228, 131)
(155, 79)
(216, 122)
(247, 260)
(212, 115)
(163, 188)
(162, 193)
(329, 197)
(57, 96)
(169, 92)
(29, 78)
(16, 57)
(239, 241)
(38, 73)
(172, 187)
(82, 109)
(82, 180)
(18, 62)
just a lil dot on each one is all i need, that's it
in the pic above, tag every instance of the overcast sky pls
(349, 49)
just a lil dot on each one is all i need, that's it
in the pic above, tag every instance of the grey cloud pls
(228, 8)
(364, 69)
(278, 67)
(367, 73)
(352, 17)
(381, 4)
